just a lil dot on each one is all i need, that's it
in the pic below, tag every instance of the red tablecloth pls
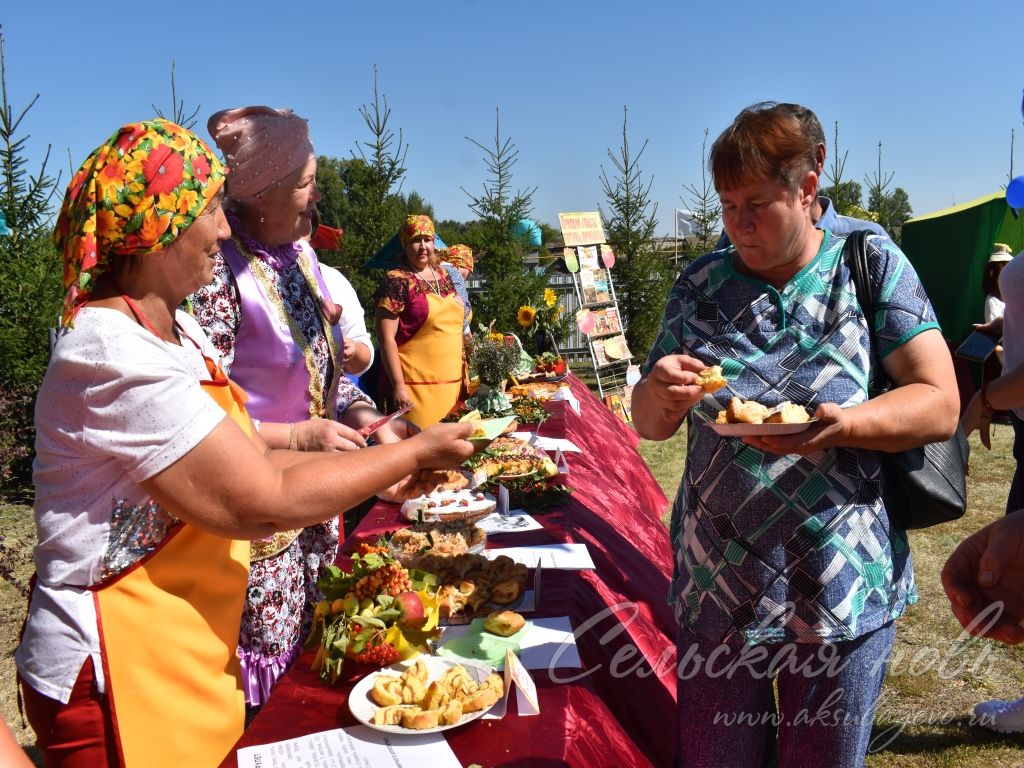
(617, 711)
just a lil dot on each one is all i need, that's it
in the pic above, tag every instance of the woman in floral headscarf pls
(457, 261)
(420, 319)
(128, 652)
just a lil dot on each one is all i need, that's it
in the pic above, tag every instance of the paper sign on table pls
(560, 462)
(353, 748)
(548, 443)
(526, 690)
(516, 521)
(568, 556)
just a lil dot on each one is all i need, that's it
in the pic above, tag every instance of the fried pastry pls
(788, 413)
(745, 412)
(504, 623)
(443, 702)
(711, 379)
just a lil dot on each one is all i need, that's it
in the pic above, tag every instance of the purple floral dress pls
(282, 588)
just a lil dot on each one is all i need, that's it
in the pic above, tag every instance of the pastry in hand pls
(504, 623)
(711, 379)
(474, 418)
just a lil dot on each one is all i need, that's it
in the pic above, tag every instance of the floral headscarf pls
(134, 194)
(414, 227)
(460, 256)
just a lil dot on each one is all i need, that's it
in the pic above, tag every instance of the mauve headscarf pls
(261, 145)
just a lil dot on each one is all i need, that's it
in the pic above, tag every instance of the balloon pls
(585, 321)
(607, 255)
(529, 232)
(1015, 193)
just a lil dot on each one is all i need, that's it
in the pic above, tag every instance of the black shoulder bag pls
(922, 486)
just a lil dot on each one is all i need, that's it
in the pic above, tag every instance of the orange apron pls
(432, 361)
(168, 631)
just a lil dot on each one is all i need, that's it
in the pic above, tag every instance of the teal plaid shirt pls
(788, 548)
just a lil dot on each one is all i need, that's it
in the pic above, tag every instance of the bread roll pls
(504, 623)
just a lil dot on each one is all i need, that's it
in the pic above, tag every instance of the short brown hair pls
(766, 141)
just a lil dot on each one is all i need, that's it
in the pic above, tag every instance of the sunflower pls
(550, 297)
(525, 316)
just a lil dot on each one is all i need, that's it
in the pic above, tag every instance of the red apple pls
(411, 606)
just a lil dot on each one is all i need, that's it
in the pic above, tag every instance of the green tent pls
(949, 250)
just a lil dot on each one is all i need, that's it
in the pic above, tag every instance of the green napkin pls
(480, 645)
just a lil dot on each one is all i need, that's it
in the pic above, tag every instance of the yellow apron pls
(432, 361)
(168, 631)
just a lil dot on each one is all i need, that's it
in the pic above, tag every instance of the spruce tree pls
(704, 204)
(642, 275)
(509, 282)
(30, 291)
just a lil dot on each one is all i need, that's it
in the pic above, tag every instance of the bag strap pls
(855, 251)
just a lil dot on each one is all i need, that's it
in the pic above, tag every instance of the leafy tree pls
(549, 234)
(510, 284)
(414, 203)
(892, 210)
(466, 232)
(846, 197)
(704, 203)
(642, 276)
(30, 289)
(882, 202)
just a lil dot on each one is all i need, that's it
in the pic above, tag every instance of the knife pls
(369, 429)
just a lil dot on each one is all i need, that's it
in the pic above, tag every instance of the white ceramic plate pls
(473, 508)
(742, 430)
(363, 706)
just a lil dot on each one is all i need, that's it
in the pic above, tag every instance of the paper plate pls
(363, 707)
(743, 430)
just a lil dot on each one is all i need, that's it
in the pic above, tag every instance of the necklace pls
(435, 286)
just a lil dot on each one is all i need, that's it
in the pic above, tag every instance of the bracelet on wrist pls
(984, 399)
(291, 436)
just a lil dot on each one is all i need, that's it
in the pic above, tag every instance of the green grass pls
(923, 719)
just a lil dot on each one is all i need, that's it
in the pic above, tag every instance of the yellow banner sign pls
(581, 228)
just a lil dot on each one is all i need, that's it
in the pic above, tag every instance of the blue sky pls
(938, 83)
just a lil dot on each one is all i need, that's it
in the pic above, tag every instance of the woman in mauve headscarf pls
(150, 477)
(270, 314)
(420, 318)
